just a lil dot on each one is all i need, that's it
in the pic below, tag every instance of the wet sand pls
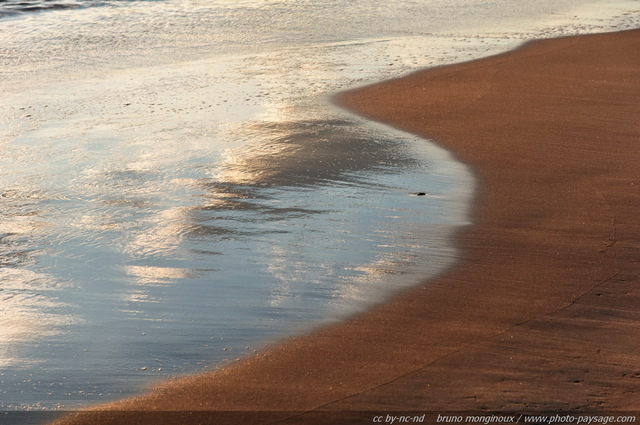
(542, 312)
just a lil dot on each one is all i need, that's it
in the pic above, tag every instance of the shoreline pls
(540, 312)
(582, 89)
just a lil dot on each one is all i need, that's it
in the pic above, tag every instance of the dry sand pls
(542, 313)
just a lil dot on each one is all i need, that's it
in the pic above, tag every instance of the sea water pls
(177, 191)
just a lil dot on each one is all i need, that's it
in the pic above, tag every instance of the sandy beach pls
(541, 313)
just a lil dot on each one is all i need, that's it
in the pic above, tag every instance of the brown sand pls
(543, 311)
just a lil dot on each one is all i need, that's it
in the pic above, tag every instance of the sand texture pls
(542, 312)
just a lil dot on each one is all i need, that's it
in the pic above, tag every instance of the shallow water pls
(176, 190)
